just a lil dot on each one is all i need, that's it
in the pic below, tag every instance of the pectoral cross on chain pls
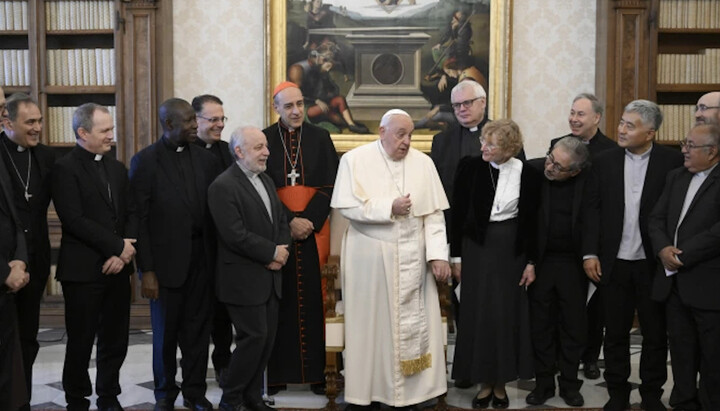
(27, 196)
(293, 176)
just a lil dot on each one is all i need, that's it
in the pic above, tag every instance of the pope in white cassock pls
(392, 252)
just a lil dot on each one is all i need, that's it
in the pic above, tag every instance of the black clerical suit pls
(13, 392)
(247, 239)
(626, 285)
(92, 197)
(221, 331)
(595, 317)
(557, 297)
(691, 295)
(177, 242)
(33, 218)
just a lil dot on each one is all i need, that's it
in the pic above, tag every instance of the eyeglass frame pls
(702, 108)
(556, 166)
(684, 144)
(466, 103)
(214, 120)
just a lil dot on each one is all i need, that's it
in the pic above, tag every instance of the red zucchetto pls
(282, 86)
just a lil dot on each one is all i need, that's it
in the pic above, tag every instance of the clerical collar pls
(473, 129)
(495, 165)
(15, 146)
(286, 127)
(172, 146)
(208, 145)
(98, 157)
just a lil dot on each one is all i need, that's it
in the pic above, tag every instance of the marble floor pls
(136, 380)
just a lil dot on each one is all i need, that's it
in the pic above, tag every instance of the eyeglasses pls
(702, 107)
(555, 165)
(689, 145)
(215, 120)
(484, 142)
(466, 103)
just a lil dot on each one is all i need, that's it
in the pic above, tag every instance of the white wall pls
(219, 50)
(553, 61)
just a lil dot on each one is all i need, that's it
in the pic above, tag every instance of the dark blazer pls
(247, 238)
(543, 221)
(12, 243)
(38, 238)
(698, 237)
(93, 224)
(605, 203)
(221, 151)
(165, 213)
(599, 143)
(473, 201)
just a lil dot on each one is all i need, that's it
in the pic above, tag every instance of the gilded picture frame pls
(498, 67)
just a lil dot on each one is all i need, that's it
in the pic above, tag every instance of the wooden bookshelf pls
(138, 34)
(665, 51)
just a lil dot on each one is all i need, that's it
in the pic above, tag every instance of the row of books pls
(677, 121)
(14, 15)
(689, 14)
(15, 67)
(701, 68)
(79, 15)
(58, 126)
(81, 67)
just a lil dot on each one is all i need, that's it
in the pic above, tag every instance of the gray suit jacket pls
(247, 238)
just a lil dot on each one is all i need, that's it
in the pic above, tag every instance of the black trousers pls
(182, 318)
(694, 348)
(629, 289)
(595, 327)
(12, 380)
(28, 304)
(101, 309)
(255, 328)
(557, 318)
(222, 336)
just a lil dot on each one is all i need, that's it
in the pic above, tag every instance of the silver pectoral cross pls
(27, 196)
(293, 176)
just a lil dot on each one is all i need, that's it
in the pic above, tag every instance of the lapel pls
(654, 167)
(267, 183)
(198, 173)
(616, 177)
(168, 165)
(709, 181)
(245, 182)
(91, 170)
(577, 198)
(546, 202)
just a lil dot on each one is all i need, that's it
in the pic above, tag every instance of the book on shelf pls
(689, 14)
(15, 67)
(81, 67)
(701, 68)
(79, 15)
(678, 119)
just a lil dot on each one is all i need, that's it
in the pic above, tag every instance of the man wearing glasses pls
(624, 185)
(211, 122)
(557, 298)
(707, 110)
(683, 228)
(584, 121)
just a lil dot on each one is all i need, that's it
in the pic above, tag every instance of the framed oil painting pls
(356, 59)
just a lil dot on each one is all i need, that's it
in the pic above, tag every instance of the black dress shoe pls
(258, 405)
(591, 371)
(462, 384)
(614, 404)
(224, 406)
(480, 403)
(318, 389)
(164, 404)
(498, 402)
(539, 396)
(572, 398)
(652, 404)
(200, 404)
